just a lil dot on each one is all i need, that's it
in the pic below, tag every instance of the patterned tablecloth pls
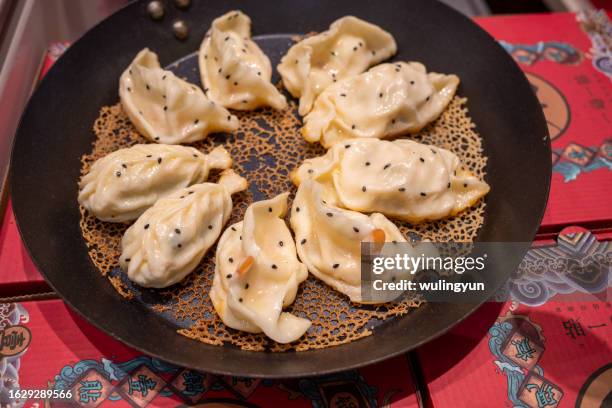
(549, 346)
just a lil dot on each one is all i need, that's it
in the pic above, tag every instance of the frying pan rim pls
(359, 362)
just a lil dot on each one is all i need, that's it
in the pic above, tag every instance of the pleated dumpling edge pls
(388, 100)
(166, 109)
(329, 237)
(120, 186)
(348, 47)
(257, 274)
(170, 239)
(234, 70)
(402, 179)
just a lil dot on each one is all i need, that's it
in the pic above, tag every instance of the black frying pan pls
(55, 132)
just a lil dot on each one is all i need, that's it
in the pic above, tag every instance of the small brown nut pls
(182, 4)
(155, 9)
(180, 29)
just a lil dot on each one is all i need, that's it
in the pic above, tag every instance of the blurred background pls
(27, 27)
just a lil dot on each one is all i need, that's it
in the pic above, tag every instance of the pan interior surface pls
(54, 134)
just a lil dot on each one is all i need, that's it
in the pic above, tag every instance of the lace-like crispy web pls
(265, 149)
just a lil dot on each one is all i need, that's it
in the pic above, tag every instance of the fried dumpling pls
(329, 237)
(169, 240)
(234, 70)
(122, 185)
(401, 179)
(167, 109)
(257, 274)
(348, 47)
(388, 100)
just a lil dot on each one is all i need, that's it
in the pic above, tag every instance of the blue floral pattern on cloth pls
(575, 159)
